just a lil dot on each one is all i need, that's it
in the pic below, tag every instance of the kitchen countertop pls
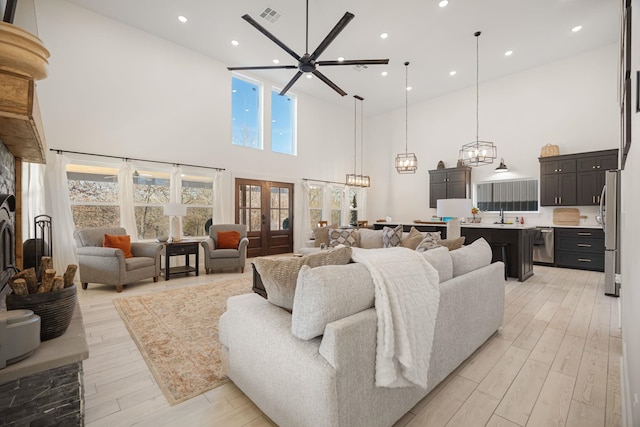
(69, 348)
(498, 226)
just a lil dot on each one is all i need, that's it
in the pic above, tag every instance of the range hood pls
(23, 59)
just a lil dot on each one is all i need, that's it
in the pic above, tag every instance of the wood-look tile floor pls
(556, 362)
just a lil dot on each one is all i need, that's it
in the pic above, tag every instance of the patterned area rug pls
(177, 333)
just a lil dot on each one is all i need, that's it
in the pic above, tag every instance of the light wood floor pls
(556, 362)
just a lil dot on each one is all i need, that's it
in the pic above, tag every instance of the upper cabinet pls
(451, 183)
(575, 179)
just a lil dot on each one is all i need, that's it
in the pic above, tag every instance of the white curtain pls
(362, 205)
(59, 207)
(175, 196)
(218, 202)
(306, 215)
(33, 194)
(326, 202)
(346, 203)
(127, 211)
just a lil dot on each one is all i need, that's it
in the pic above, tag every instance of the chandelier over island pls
(478, 153)
(353, 179)
(406, 162)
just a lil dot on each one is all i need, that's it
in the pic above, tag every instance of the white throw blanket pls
(407, 296)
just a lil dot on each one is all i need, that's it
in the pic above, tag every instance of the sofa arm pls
(346, 341)
(242, 245)
(208, 245)
(150, 250)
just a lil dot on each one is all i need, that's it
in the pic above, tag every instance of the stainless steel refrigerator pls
(610, 219)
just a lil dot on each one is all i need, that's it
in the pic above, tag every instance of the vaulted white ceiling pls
(436, 40)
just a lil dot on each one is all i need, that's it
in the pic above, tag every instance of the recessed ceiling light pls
(340, 58)
(309, 75)
(409, 88)
(452, 72)
(276, 61)
(576, 28)
(508, 53)
(182, 19)
(235, 42)
(384, 35)
(384, 73)
(443, 3)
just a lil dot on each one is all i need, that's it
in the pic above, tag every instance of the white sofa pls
(329, 380)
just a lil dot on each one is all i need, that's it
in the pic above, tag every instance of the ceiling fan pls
(308, 63)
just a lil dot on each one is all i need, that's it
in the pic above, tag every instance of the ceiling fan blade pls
(263, 67)
(333, 86)
(355, 62)
(342, 23)
(273, 38)
(291, 82)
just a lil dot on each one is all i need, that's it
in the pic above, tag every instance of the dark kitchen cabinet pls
(591, 173)
(452, 183)
(581, 248)
(558, 189)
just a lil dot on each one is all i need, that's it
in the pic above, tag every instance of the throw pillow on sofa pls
(329, 293)
(440, 259)
(430, 241)
(346, 237)
(413, 239)
(391, 237)
(452, 244)
(118, 242)
(279, 275)
(471, 257)
(370, 239)
(321, 235)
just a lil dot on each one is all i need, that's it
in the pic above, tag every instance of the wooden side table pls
(186, 248)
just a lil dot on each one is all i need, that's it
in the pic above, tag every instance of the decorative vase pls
(54, 308)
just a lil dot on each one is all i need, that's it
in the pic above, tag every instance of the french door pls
(266, 208)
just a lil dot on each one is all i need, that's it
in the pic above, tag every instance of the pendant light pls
(478, 153)
(503, 167)
(353, 179)
(406, 162)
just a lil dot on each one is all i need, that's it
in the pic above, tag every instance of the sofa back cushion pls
(440, 259)
(326, 294)
(370, 239)
(279, 275)
(95, 236)
(471, 257)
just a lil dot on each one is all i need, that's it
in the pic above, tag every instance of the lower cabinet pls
(581, 248)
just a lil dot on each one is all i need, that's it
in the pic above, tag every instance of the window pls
(315, 205)
(197, 194)
(246, 112)
(93, 194)
(519, 195)
(336, 206)
(283, 119)
(150, 194)
(353, 206)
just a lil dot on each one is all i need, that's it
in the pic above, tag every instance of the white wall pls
(119, 91)
(630, 274)
(571, 103)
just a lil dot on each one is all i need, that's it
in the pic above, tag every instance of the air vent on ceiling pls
(360, 67)
(270, 14)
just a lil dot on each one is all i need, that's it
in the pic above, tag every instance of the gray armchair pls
(217, 259)
(108, 265)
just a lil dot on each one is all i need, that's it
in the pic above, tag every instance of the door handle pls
(584, 260)
(583, 245)
(584, 234)
(264, 219)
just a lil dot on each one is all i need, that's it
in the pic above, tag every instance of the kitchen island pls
(518, 240)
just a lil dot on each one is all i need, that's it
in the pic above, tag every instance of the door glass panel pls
(243, 200)
(284, 198)
(275, 197)
(275, 220)
(256, 220)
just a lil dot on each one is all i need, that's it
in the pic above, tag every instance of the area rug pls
(177, 333)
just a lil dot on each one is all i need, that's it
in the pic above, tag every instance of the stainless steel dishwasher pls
(543, 246)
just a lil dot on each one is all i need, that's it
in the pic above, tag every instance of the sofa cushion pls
(279, 275)
(118, 242)
(413, 239)
(326, 294)
(321, 235)
(452, 244)
(370, 239)
(138, 262)
(341, 236)
(391, 237)
(471, 257)
(429, 241)
(440, 259)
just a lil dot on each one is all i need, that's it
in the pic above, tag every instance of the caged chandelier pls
(478, 153)
(406, 162)
(353, 179)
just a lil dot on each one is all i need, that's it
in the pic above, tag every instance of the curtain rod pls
(132, 158)
(323, 180)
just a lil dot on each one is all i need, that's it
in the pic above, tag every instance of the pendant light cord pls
(306, 46)
(355, 136)
(406, 108)
(477, 34)
(362, 136)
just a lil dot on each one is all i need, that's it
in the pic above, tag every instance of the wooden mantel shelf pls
(23, 59)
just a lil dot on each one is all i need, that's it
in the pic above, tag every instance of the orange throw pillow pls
(228, 239)
(118, 242)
